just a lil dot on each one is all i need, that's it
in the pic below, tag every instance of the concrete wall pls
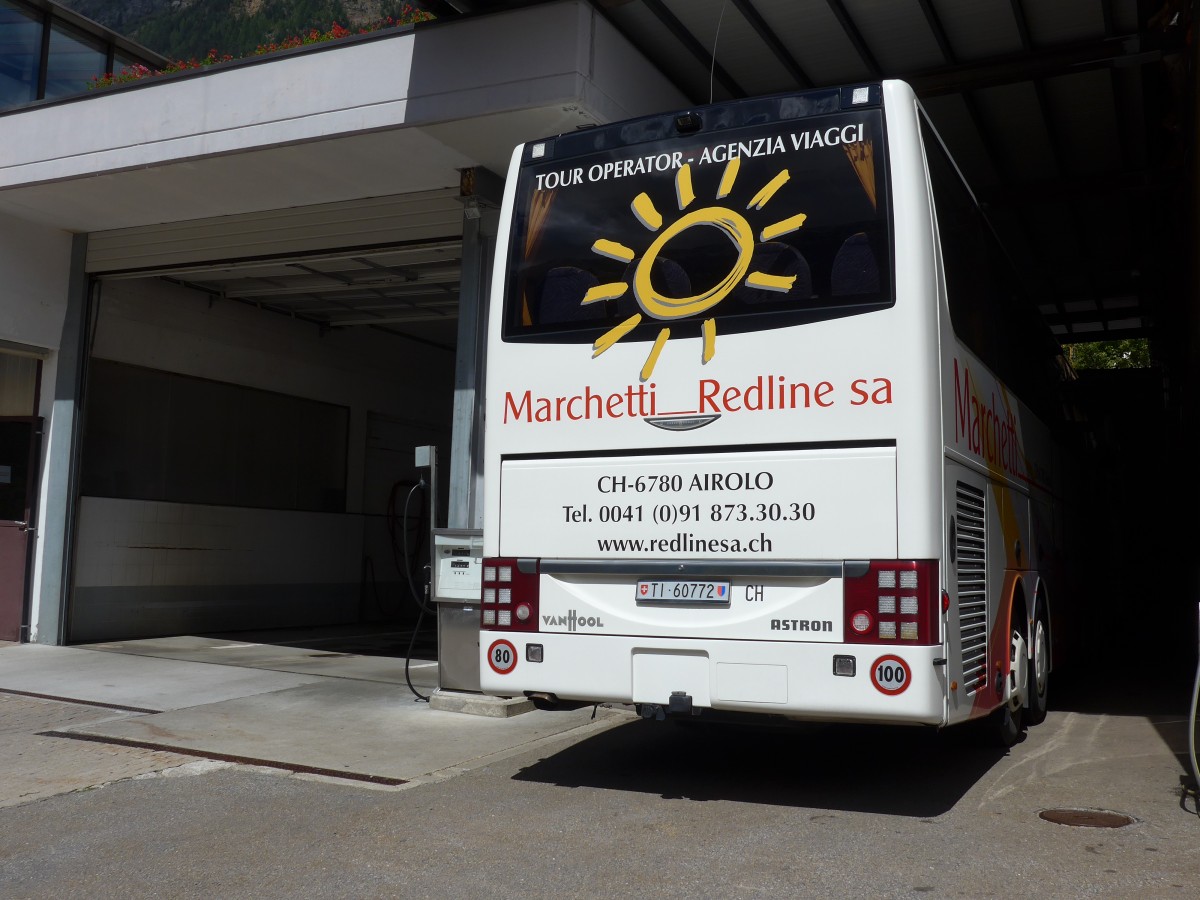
(147, 322)
(35, 265)
(148, 568)
(565, 54)
(283, 98)
(35, 269)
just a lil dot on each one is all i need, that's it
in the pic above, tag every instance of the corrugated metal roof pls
(1070, 118)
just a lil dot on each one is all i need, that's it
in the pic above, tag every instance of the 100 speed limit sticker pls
(890, 675)
(502, 657)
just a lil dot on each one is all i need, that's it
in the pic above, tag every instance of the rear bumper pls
(900, 685)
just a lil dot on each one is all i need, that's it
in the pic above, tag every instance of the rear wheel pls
(1039, 670)
(1006, 723)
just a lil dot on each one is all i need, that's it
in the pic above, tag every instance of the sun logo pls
(657, 305)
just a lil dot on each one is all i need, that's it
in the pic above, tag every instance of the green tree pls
(1132, 353)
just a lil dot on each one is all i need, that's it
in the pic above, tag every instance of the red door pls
(20, 441)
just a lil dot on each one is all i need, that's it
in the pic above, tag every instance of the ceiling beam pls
(1022, 24)
(1043, 63)
(939, 32)
(1107, 12)
(1137, 183)
(855, 37)
(767, 35)
(1116, 334)
(693, 46)
(266, 287)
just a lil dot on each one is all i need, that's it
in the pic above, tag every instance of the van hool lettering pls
(573, 620)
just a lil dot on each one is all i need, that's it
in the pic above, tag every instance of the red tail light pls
(510, 594)
(894, 602)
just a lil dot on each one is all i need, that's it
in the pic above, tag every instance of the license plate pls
(714, 593)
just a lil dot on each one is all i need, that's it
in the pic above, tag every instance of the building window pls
(48, 52)
(75, 58)
(20, 54)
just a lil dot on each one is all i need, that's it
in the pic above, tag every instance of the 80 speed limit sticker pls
(890, 675)
(502, 657)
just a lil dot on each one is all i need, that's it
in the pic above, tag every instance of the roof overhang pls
(379, 114)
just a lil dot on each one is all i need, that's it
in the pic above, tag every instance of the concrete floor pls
(346, 715)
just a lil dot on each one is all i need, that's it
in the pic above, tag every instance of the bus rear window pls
(741, 228)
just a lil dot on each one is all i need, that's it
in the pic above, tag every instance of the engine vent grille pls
(970, 549)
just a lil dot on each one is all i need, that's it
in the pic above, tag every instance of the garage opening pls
(247, 452)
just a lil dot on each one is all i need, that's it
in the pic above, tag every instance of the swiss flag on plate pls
(643, 588)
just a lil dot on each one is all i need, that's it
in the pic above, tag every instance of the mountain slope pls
(183, 29)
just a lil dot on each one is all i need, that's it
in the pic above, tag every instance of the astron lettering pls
(801, 625)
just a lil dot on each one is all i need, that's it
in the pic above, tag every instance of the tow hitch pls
(679, 704)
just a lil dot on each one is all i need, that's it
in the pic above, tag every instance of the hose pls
(420, 485)
(1192, 726)
(421, 698)
(422, 609)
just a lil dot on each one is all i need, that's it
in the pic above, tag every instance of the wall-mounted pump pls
(457, 571)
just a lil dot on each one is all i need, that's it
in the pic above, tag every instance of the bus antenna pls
(713, 68)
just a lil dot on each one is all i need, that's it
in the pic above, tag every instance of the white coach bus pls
(768, 425)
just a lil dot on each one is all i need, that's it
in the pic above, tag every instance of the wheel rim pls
(1018, 678)
(1041, 661)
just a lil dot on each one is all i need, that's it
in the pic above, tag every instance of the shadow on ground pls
(895, 771)
(914, 772)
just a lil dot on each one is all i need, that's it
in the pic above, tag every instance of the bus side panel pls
(999, 450)
(993, 543)
(919, 485)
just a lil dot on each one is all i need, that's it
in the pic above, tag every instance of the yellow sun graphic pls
(733, 225)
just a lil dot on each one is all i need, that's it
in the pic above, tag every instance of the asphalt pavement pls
(193, 767)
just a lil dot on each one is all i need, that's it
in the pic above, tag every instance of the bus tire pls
(1005, 724)
(1039, 669)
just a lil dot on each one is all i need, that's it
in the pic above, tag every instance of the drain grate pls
(1087, 818)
